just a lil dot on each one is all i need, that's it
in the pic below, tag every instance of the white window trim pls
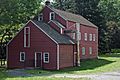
(85, 36)
(84, 51)
(94, 37)
(50, 15)
(90, 50)
(74, 36)
(40, 17)
(61, 30)
(25, 37)
(90, 37)
(44, 57)
(21, 57)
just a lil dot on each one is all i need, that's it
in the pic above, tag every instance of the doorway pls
(38, 60)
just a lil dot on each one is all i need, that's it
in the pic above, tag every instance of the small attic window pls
(40, 17)
(52, 15)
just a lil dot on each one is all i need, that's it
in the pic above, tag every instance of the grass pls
(105, 63)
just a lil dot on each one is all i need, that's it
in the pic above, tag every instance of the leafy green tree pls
(111, 14)
(13, 13)
(66, 5)
(90, 10)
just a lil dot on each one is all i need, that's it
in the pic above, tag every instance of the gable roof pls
(59, 38)
(73, 17)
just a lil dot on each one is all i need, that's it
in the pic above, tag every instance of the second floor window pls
(52, 15)
(40, 17)
(90, 37)
(85, 34)
(94, 37)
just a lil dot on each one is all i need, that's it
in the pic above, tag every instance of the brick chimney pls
(47, 3)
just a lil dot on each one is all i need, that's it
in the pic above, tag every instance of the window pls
(73, 35)
(90, 37)
(52, 15)
(40, 17)
(78, 36)
(27, 37)
(90, 50)
(46, 57)
(85, 36)
(22, 56)
(83, 50)
(94, 37)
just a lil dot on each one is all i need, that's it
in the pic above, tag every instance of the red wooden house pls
(48, 41)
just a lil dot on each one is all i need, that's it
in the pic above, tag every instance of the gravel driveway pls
(101, 76)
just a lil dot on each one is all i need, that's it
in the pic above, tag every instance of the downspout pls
(78, 43)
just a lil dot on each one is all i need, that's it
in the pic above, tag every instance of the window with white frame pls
(73, 36)
(85, 34)
(90, 50)
(83, 50)
(27, 37)
(40, 17)
(22, 56)
(94, 37)
(90, 37)
(52, 15)
(46, 57)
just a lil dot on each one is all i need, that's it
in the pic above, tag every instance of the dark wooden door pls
(38, 60)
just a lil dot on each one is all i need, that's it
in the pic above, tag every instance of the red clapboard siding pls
(39, 43)
(66, 56)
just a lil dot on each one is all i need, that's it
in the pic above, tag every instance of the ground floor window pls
(22, 56)
(90, 50)
(46, 57)
(83, 50)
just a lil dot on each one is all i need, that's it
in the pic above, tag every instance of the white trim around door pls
(36, 59)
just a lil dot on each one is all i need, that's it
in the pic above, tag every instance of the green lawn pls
(105, 63)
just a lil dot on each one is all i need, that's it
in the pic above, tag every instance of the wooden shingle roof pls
(59, 38)
(73, 17)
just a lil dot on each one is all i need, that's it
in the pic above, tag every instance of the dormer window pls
(40, 17)
(52, 15)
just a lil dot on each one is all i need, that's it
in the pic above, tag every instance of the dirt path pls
(102, 76)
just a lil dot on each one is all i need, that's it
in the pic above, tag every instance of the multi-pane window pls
(90, 37)
(85, 34)
(27, 37)
(40, 17)
(90, 50)
(83, 50)
(46, 57)
(73, 36)
(52, 15)
(22, 56)
(94, 37)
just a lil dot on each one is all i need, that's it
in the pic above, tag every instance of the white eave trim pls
(44, 32)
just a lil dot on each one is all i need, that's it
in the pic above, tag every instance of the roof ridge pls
(82, 20)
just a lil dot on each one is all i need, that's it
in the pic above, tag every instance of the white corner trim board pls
(58, 57)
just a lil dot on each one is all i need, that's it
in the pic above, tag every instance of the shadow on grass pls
(85, 65)
(111, 55)
(88, 65)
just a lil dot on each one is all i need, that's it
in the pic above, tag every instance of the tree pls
(66, 5)
(13, 13)
(90, 10)
(111, 10)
